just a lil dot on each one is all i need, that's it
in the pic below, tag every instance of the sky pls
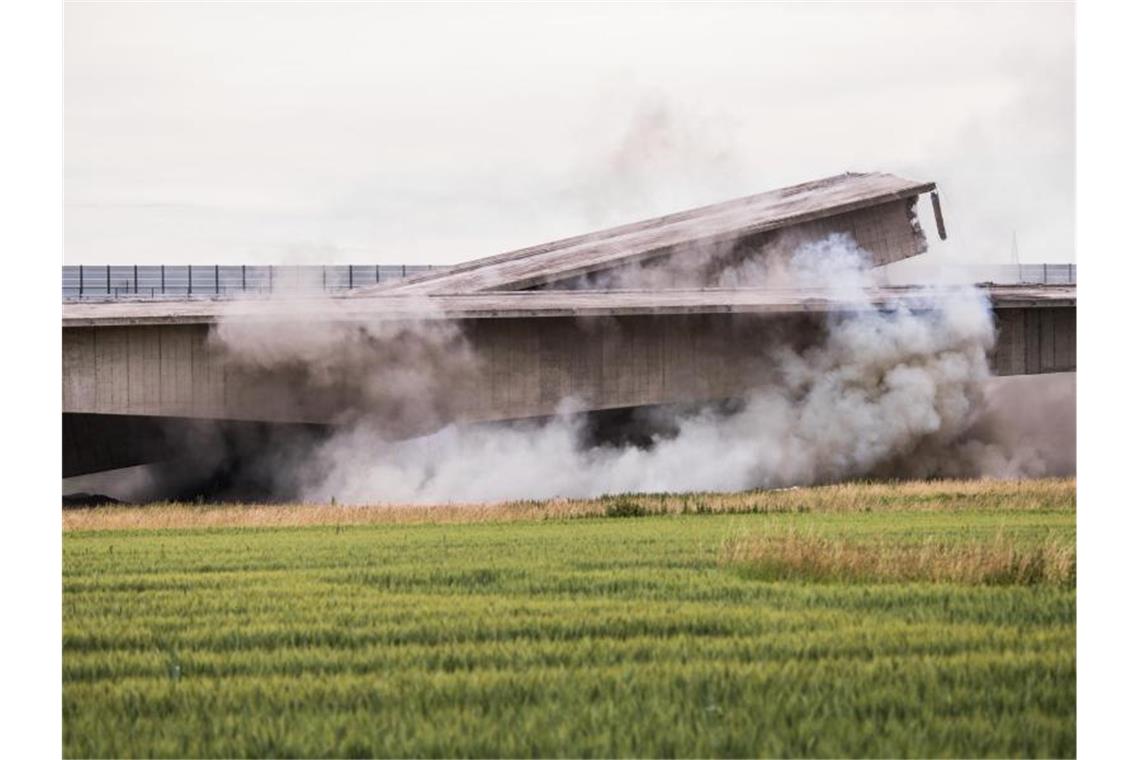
(305, 133)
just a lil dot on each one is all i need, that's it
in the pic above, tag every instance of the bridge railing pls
(235, 281)
(1047, 274)
(159, 281)
(912, 272)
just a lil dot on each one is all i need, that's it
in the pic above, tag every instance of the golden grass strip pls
(995, 561)
(942, 495)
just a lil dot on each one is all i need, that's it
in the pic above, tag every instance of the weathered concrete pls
(520, 366)
(1035, 341)
(876, 209)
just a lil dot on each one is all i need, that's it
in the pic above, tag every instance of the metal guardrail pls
(160, 281)
(234, 281)
(910, 272)
(1044, 274)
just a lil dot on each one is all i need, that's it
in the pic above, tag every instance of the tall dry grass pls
(995, 561)
(941, 495)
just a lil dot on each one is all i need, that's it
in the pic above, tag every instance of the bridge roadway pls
(416, 363)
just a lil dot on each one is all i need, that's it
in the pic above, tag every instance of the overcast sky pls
(319, 133)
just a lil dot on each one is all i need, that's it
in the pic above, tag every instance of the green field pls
(555, 630)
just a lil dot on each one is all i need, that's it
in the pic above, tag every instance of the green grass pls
(585, 637)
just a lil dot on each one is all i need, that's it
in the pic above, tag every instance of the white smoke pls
(784, 258)
(399, 376)
(883, 385)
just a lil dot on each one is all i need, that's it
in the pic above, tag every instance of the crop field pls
(913, 619)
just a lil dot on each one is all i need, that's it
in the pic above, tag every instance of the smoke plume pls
(887, 392)
(397, 377)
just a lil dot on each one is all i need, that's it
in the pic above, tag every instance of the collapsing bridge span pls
(546, 323)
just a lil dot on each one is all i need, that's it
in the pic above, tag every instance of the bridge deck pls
(849, 199)
(550, 303)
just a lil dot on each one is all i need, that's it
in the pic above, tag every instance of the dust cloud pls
(901, 391)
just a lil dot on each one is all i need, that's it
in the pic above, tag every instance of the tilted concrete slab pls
(876, 209)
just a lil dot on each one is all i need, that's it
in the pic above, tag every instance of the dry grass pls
(944, 495)
(995, 561)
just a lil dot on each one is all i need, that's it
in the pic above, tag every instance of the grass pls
(997, 560)
(911, 496)
(552, 629)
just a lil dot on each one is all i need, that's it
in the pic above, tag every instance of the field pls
(928, 619)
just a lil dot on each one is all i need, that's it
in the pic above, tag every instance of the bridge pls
(514, 336)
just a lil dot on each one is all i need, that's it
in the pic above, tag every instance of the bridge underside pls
(98, 442)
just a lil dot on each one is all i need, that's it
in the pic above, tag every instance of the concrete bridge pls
(134, 369)
(509, 337)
